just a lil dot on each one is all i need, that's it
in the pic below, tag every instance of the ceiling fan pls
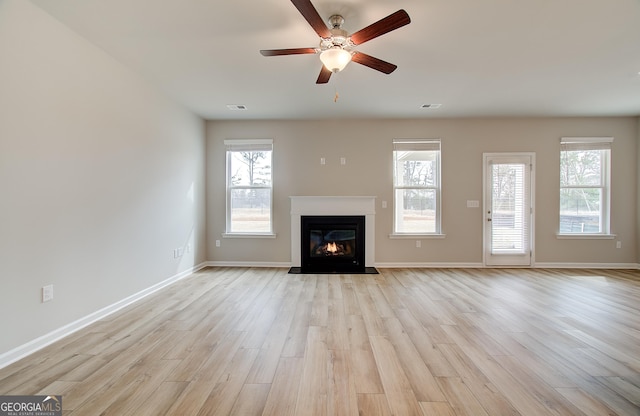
(337, 48)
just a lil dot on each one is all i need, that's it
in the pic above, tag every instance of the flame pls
(332, 247)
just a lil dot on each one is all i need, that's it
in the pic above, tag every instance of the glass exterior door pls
(508, 209)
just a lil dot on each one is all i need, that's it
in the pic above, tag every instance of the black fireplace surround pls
(332, 244)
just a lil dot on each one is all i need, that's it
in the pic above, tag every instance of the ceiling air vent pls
(430, 105)
(236, 107)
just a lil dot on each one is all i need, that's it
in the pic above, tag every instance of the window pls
(249, 186)
(584, 185)
(416, 186)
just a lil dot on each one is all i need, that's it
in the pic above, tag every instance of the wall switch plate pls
(47, 293)
(323, 161)
(473, 204)
(384, 204)
(418, 243)
(618, 244)
(343, 160)
(217, 243)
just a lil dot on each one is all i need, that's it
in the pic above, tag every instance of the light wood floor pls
(238, 341)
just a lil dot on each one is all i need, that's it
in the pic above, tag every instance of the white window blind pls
(585, 143)
(414, 145)
(510, 208)
(249, 145)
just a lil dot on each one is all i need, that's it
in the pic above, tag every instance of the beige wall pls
(366, 144)
(101, 177)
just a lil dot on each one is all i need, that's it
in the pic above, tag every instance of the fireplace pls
(332, 243)
(333, 206)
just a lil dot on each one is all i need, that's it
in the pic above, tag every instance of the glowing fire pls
(332, 247)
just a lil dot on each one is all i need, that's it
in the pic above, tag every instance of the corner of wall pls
(638, 189)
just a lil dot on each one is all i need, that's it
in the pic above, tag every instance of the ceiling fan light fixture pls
(335, 59)
(337, 47)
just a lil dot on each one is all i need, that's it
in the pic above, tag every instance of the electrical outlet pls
(618, 244)
(418, 243)
(217, 243)
(47, 293)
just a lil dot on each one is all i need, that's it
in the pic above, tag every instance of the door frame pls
(486, 202)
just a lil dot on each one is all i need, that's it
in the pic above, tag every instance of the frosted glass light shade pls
(335, 58)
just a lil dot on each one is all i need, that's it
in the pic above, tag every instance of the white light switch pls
(47, 293)
(323, 161)
(343, 160)
(384, 204)
(473, 204)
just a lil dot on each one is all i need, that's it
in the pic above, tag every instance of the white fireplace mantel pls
(333, 205)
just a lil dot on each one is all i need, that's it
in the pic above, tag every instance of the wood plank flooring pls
(246, 341)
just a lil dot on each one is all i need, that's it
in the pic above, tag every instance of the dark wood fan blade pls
(324, 76)
(311, 14)
(374, 63)
(291, 51)
(382, 26)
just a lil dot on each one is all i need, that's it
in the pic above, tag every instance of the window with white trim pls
(585, 170)
(249, 186)
(416, 186)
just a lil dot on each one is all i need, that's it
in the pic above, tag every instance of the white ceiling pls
(478, 58)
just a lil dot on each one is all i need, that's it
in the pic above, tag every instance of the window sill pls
(249, 235)
(395, 236)
(586, 236)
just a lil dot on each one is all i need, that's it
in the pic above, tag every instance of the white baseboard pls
(275, 264)
(632, 266)
(30, 347)
(388, 265)
(587, 266)
(393, 265)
